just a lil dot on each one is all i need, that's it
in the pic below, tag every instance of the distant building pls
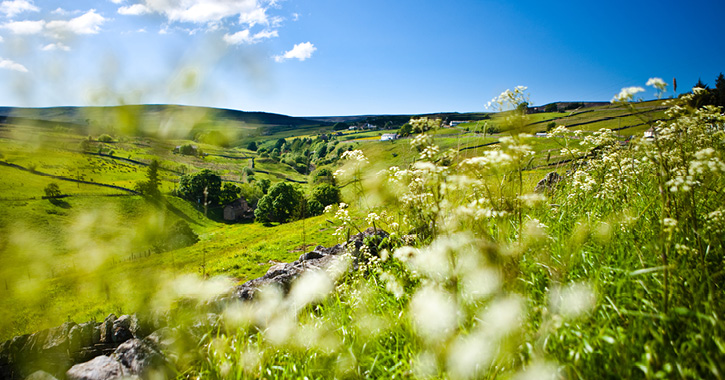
(541, 134)
(650, 133)
(238, 210)
(389, 136)
(455, 123)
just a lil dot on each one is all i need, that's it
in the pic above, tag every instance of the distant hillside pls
(82, 115)
(398, 120)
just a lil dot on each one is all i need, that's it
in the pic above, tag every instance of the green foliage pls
(150, 187)
(178, 235)
(263, 185)
(204, 186)
(105, 138)
(280, 204)
(523, 108)
(229, 193)
(252, 146)
(323, 175)
(190, 150)
(406, 130)
(551, 107)
(326, 194)
(52, 190)
(279, 145)
(340, 126)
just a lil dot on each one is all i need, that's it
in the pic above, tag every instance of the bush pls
(105, 138)
(179, 235)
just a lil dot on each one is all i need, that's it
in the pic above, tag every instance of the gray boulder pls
(100, 368)
(122, 329)
(139, 357)
(41, 375)
(548, 183)
(107, 329)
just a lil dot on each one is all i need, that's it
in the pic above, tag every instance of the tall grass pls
(615, 273)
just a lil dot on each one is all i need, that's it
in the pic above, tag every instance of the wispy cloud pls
(246, 37)
(10, 65)
(133, 10)
(55, 46)
(15, 7)
(301, 51)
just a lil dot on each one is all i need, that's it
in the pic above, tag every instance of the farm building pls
(238, 210)
(388, 136)
(650, 133)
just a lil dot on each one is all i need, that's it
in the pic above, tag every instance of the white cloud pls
(10, 65)
(55, 46)
(15, 7)
(88, 23)
(254, 17)
(117, 1)
(25, 27)
(206, 11)
(133, 10)
(246, 37)
(1, 39)
(300, 51)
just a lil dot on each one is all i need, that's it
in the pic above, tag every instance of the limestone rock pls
(122, 329)
(100, 368)
(107, 329)
(548, 183)
(139, 357)
(41, 375)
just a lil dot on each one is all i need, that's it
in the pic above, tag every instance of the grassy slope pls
(237, 251)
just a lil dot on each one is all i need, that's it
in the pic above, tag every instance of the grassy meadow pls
(614, 272)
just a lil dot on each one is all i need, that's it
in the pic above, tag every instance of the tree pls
(52, 190)
(405, 130)
(281, 204)
(252, 146)
(523, 108)
(323, 175)
(326, 194)
(263, 185)
(280, 144)
(229, 193)
(150, 187)
(551, 107)
(720, 90)
(193, 187)
(340, 126)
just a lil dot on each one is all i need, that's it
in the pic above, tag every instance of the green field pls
(604, 275)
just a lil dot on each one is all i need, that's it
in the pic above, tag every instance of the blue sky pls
(349, 57)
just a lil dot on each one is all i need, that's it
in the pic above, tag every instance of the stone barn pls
(238, 210)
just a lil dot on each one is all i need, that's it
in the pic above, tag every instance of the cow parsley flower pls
(627, 94)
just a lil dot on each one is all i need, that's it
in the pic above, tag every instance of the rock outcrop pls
(548, 183)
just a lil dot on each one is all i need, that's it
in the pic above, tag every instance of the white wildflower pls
(627, 94)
